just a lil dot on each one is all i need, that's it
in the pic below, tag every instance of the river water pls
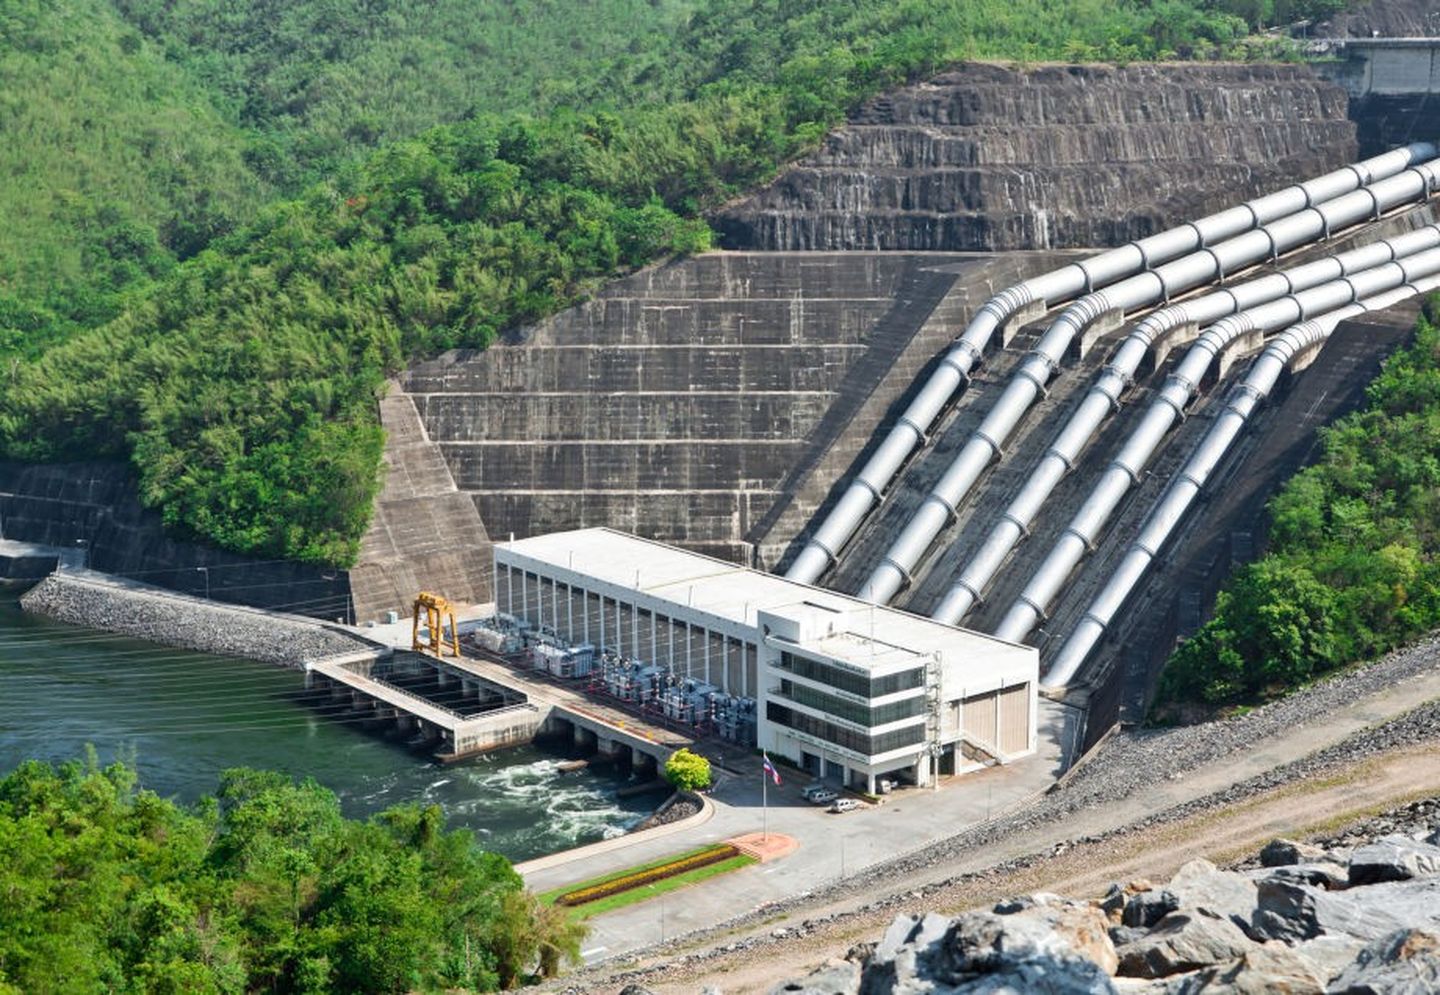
(182, 717)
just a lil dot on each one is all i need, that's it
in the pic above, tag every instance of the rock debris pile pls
(190, 623)
(1354, 914)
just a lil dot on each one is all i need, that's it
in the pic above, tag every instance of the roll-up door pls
(1015, 719)
(979, 718)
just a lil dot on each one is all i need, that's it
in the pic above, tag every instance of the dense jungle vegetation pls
(233, 354)
(266, 887)
(1353, 568)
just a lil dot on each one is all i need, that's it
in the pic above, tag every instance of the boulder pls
(1394, 858)
(1283, 852)
(1324, 874)
(1183, 941)
(1330, 954)
(1202, 887)
(1045, 947)
(1041, 976)
(1407, 962)
(1149, 907)
(836, 977)
(1273, 967)
(1293, 912)
(1112, 903)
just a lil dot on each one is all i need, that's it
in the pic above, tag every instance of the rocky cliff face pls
(988, 158)
(1385, 19)
(1360, 913)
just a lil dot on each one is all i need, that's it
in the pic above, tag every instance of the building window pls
(853, 711)
(847, 739)
(847, 680)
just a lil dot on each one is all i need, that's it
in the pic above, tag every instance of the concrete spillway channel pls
(1293, 345)
(1156, 331)
(1406, 183)
(1125, 470)
(1034, 296)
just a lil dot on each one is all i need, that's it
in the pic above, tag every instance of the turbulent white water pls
(185, 717)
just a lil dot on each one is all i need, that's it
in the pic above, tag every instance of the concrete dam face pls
(717, 402)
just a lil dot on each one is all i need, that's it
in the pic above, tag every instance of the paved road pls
(831, 846)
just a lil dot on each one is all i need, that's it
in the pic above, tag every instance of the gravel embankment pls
(1126, 764)
(1136, 758)
(171, 619)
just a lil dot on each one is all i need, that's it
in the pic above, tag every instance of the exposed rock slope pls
(1358, 914)
(988, 158)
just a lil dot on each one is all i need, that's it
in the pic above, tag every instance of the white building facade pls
(844, 689)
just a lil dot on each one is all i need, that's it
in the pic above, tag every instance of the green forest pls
(238, 220)
(1353, 568)
(264, 887)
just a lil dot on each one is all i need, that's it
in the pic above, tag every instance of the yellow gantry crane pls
(436, 609)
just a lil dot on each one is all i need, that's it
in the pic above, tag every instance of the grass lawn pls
(647, 891)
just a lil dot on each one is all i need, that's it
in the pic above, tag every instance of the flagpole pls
(764, 804)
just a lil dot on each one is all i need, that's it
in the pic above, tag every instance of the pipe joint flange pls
(876, 494)
(1196, 481)
(1014, 520)
(1175, 406)
(1084, 539)
(996, 450)
(1132, 472)
(1037, 610)
(1147, 550)
(1361, 175)
(830, 556)
(1100, 623)
(905, 577)
(950, 513)
(949, 360)
(1249, 389)
(976, 598)
(1427, 181)
(1065, 460)
(1255, 221)
(1030, 375)
(1375, 209)
(909, 423)
(1219, 265)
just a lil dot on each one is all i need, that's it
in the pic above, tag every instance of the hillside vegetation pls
(1353, 568)
(266, 887)
(242, 386)
(137, 131)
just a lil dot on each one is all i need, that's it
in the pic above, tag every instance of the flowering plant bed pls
(649, 875)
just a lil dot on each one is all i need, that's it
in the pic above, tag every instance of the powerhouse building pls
(843, 688)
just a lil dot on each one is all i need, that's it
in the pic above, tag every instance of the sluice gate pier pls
(460, 707)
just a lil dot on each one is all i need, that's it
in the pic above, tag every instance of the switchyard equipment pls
(1030, 299)
(875, 692)
(436, 610)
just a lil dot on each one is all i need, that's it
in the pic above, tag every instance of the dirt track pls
(1156, 852)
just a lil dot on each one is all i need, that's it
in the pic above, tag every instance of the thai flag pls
(770, 769)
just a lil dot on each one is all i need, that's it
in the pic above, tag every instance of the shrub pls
(687, 771)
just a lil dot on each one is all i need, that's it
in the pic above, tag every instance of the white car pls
(844, 805)
(824, 796)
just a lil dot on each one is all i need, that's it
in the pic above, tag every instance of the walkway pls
(831, 846)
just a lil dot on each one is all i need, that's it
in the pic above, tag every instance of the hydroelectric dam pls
(1022, 351)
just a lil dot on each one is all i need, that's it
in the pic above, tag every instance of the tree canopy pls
(1353, 568)
(264, 887)
(687, 770)
(233, 354)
